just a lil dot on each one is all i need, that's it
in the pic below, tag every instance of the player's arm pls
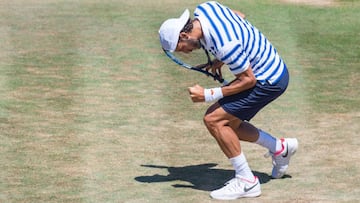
(239, 14)
(243, 81)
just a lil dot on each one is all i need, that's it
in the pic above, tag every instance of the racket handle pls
(224, 82)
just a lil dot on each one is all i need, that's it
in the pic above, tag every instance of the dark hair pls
(188, 26)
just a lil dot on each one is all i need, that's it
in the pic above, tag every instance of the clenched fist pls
(196, 93)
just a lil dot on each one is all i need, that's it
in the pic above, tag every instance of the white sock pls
(241, 167)
(269, 142)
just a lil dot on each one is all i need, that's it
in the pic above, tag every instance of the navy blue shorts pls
(246, 104)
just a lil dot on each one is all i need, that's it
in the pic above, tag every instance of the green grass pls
(92, 111)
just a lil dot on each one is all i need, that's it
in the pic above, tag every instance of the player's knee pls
(210, 116)
(211, 121)
(208, 121)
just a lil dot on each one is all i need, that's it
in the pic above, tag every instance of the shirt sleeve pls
(233, 55)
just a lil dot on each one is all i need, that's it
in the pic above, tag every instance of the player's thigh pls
(216, 114)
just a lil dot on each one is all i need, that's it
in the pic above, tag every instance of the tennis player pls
(261, 77)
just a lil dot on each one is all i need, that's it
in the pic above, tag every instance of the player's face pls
(187, 44)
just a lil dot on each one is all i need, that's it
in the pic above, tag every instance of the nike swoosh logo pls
(250, 188)
(287, 151)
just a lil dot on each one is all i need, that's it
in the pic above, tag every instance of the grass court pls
(91, 110)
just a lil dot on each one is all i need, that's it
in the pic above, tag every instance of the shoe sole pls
(249, 195)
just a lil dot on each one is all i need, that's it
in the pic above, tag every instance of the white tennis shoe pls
(237, 187)
(281, 160)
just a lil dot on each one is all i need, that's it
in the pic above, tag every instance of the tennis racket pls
(199, 68)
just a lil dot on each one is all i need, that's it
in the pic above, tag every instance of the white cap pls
(170, 30)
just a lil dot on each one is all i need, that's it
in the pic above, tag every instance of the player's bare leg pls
(218, 122)
(244, 184)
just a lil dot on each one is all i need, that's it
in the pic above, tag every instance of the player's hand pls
(215, 68)
(196, 93)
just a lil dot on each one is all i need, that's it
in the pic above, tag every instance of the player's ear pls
(183, 36)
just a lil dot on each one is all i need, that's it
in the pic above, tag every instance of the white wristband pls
(213, 94)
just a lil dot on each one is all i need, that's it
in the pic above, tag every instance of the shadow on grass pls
(201, 177)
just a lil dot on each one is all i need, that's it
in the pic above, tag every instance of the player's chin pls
(190, 50)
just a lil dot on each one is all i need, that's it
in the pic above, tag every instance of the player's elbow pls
(242, 15)
(251, 81)
(247, 78)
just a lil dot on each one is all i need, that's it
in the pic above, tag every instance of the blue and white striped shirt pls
(237, 43)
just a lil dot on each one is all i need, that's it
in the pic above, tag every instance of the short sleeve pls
(233, 55)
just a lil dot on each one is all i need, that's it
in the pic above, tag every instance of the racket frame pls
(197, 68)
